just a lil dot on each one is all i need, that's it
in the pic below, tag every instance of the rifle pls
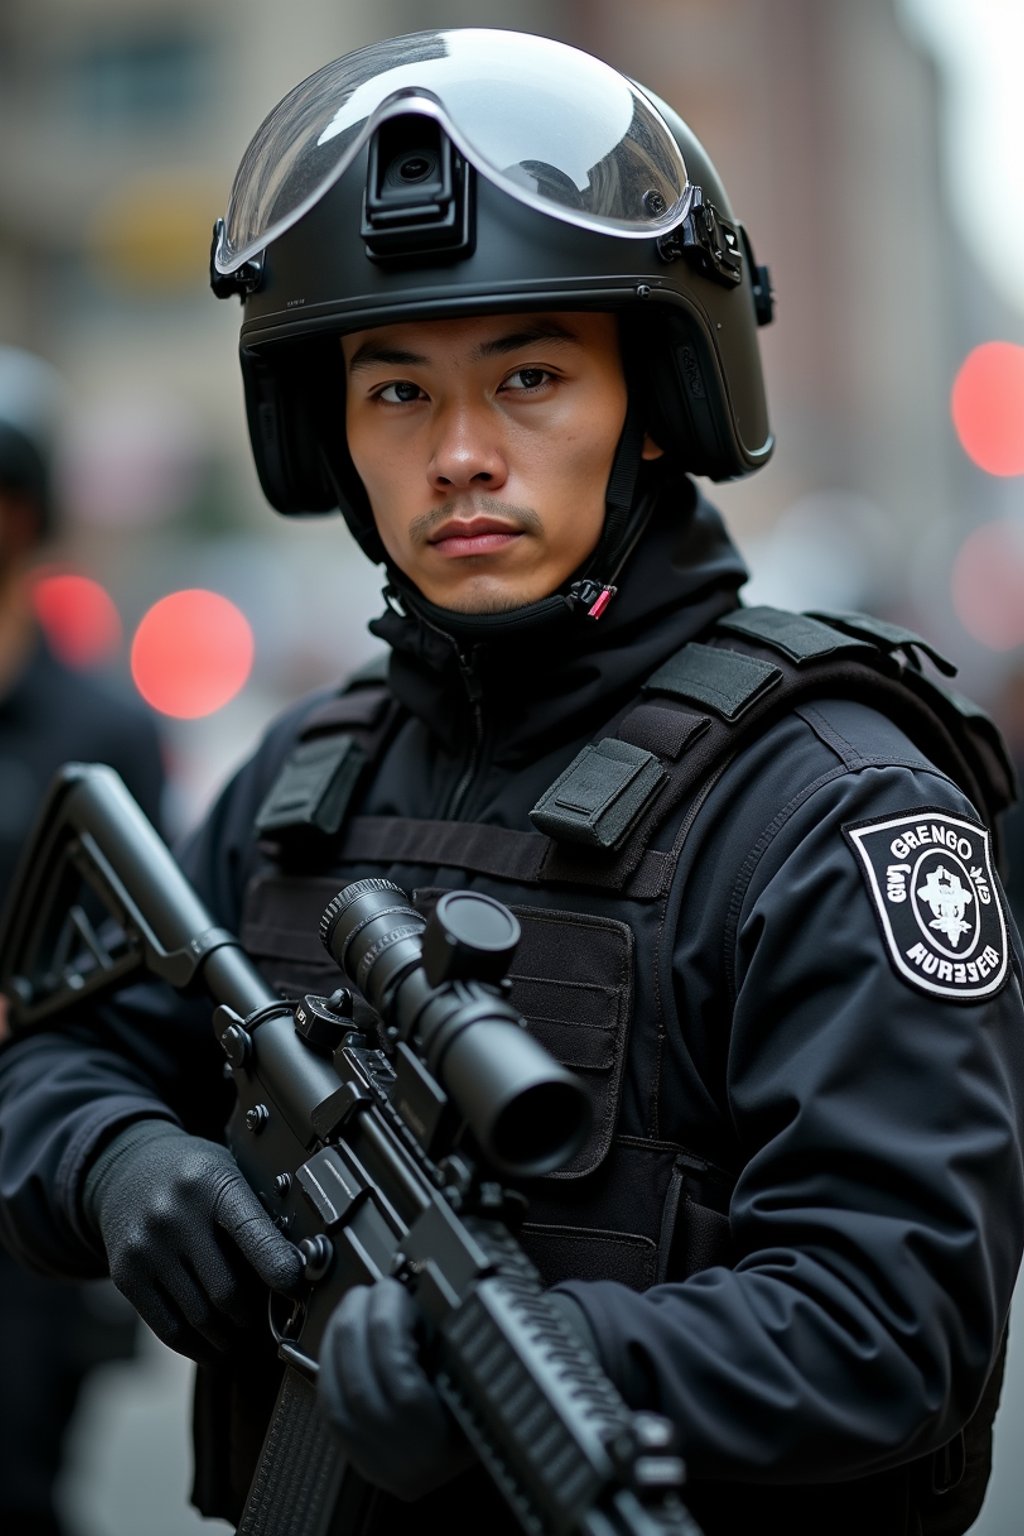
(380, 1127)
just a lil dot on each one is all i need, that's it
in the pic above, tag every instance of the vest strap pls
(528, 858)
(799, 636)
(665, 732)
(363, 708)
(724, 681)
(887, 637)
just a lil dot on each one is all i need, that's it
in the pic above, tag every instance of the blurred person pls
(497, 309)
(52, 1331)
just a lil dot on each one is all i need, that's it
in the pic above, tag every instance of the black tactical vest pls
(590, 885)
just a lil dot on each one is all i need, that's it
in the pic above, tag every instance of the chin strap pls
(591, 596)
(626, 517)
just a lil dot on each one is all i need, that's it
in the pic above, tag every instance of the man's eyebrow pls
(371, 352)
(535, 331)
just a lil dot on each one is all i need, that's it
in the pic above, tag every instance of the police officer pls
(497, 308)
(51, 1333)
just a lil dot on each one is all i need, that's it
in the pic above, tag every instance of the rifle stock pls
(379, 1151)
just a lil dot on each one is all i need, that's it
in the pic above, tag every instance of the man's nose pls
(467, 450)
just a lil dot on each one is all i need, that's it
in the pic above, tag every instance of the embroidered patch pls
(930, 878)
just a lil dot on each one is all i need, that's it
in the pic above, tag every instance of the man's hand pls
(393, 1426)
(187, 1241)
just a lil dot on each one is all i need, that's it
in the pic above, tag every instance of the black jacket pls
(869, 1122)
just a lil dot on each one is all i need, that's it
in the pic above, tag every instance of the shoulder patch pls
(930, 878)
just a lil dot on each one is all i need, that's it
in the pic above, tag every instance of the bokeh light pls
(988, 407)
(192, 653)
(988, 584)
(78, 617)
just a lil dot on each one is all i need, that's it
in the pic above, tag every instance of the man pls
(51, 1333)
(497, 308)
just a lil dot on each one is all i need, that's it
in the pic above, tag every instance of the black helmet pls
(468, 171)
(31, 409)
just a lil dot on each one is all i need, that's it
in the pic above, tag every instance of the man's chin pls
(480, 607)
(481, 604)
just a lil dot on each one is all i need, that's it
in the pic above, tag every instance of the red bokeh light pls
(988, 584)
(78, 616)
(192, 653)
(988, 407)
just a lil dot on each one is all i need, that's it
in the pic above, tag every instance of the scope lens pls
(478, 921)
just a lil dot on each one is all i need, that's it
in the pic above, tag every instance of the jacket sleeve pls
(66, 1089)
(878, 1216)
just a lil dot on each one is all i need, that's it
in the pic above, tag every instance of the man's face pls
(485, 445)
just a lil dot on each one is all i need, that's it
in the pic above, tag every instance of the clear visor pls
(551, 125)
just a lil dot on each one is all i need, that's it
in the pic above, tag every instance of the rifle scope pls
(435, 983)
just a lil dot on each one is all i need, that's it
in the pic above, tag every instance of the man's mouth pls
(473, 536)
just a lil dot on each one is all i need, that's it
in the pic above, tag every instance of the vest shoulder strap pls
(337, 742)
(701, 706)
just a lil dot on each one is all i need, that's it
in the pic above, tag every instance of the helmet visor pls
(549, 124)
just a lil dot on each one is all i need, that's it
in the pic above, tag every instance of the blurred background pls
(873, 152)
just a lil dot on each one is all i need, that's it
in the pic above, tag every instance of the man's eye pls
(399, 393)
(527, 378)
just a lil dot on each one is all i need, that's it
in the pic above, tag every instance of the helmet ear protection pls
(281, 401)
(417, 219)
(673, 379)
(295, 404)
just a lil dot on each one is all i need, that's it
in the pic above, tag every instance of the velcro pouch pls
(596, 801)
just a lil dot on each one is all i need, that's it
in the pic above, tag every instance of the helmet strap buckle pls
(592, 595)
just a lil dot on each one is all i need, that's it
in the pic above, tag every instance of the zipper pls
(474, 696)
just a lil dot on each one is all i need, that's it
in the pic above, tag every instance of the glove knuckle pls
(193, 1179)
(133, 1253)
(161, 1220)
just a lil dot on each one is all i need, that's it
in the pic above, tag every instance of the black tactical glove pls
(187, 1241)
(394, 1428)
